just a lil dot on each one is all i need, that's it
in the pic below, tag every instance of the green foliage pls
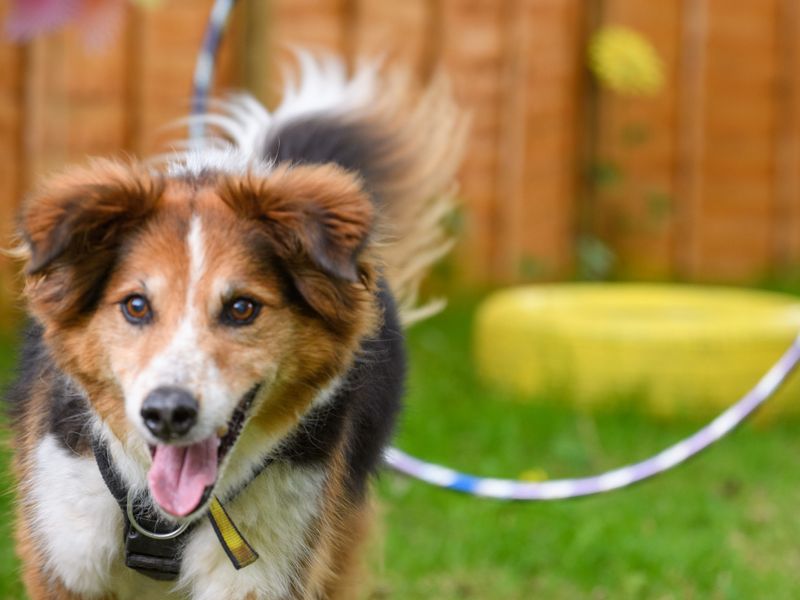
(635, 134)
(659, 205)
(9, 567)
(605, 174)
(595, 260)
(532, 268)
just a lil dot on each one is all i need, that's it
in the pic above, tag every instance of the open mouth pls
(181, 478)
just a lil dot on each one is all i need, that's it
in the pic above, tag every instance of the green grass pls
(724, 526)
(10, 587)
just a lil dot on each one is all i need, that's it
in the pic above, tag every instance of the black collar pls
(154, 546)
(158, 558)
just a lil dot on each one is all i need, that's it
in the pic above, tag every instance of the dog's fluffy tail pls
(405, 147)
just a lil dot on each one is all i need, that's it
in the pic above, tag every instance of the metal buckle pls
(145, 532)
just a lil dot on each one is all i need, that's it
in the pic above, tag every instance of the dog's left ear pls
(73, 227)
(317, 220)
(320, 212)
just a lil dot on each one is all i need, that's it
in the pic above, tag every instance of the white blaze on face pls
(182, 361)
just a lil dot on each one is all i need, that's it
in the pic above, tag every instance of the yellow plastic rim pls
(675, 350)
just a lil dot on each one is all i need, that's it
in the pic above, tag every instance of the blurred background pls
(688, 168)
(611, 140)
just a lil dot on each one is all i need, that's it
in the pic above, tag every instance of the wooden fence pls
(706, 181)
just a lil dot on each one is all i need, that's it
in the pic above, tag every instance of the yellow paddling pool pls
(677, 350)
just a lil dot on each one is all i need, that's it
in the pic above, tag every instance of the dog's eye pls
(136, 309)
(240, 311)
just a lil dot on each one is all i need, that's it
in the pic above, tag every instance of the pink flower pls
(30, 17)
(98, 20)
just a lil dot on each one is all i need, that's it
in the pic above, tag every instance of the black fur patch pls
(68, 415)
(70, 419)
(363, 411)
(33, 364)
(323, 139)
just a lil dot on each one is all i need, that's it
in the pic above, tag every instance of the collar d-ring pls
(146, 532)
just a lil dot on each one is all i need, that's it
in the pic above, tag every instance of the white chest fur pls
(79, 526)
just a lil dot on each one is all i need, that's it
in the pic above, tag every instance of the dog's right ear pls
(73, 227)
(83, 211)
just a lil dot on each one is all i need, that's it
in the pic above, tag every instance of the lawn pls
(723, 526)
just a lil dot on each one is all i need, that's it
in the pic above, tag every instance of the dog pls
(215, 361)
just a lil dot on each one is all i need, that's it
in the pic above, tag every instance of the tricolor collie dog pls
(215, 357)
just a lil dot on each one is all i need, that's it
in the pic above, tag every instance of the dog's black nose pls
(169, 412)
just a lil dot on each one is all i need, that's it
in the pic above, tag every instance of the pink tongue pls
(180, 475)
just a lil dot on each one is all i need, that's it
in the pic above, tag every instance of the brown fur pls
(333, 566)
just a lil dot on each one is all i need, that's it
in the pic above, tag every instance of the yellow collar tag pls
(236, 547)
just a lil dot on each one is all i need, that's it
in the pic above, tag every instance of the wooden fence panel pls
(401, 32)
(472, 52)
(735, 226)
(275, 28)
(638, 135)
(317, 24)
(786, 245)
(710, 167)
(537, 170)
(76, 103)
(11, 165)
(163, 51)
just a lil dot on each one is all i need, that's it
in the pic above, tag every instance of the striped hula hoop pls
(510, 489)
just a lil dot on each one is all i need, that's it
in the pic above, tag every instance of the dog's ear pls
(320, 213)
(317, 220)
(73, 227)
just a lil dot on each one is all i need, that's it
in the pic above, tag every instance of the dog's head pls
(197, 312)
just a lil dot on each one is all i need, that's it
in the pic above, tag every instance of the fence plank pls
(735, 239)
(786, 246)
(317, 24)
(691, 136)
(10, 167)
(400, 32)
(472, 46)
(710, 191)
(638, 135)
(277, 27)
(69, 103)
(536, 179)
(167, 41)
(75, 102)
